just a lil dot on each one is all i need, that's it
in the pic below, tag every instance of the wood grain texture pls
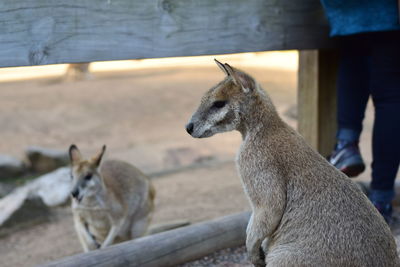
(317, 98)
(168, 248)
(328, 67)
(307, 96)
(36, 32)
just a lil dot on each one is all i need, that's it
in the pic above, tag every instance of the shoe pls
(347, 158)
(385, 209)
(382, 200)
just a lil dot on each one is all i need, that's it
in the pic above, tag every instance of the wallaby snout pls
(189, 128)
(75, 193)
(199, 128)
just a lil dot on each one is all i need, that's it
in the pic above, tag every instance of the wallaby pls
(77, 71)
(304, 211)
(110, 204)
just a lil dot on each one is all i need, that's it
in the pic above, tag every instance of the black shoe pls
(347, 158)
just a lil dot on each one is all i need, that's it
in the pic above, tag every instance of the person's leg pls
(385, 90)
(352, 88)
(352, 97)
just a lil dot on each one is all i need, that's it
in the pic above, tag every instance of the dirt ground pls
(140, 116)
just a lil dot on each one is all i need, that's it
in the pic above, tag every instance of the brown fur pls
(77, 71)
(305, 211)
(114, 205)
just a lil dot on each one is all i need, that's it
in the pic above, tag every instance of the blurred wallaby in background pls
(110, 204)
(77, 71)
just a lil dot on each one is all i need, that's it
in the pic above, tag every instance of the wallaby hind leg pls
(86, 239)
(139, 228)
(112, 234)
(291, 262)
(288, 256)
(82, 240)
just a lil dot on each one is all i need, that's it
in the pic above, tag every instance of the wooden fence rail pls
(36, 32)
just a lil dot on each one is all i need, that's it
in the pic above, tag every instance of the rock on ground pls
(49, 190)
(230, 257)
(6, 188)
(53, 188)
(44, 160)
(10, 167)
(31, 211)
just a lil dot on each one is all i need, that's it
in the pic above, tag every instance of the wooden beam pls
(41, 32)
(317, 98)
(168, 248)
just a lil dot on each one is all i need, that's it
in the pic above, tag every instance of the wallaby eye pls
(219, 104)
(88, 177)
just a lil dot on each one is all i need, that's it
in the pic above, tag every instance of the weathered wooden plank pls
(34, 32)
(317, 98)
(169, 248)
(307, 96)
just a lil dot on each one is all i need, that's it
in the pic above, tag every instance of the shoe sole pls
(354, 170)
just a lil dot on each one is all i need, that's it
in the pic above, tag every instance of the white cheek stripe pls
(219, 116)
(212, 120)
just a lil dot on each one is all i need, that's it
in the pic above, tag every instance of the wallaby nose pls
(189, 128)
(75, 193)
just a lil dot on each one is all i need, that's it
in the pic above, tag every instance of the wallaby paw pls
(257, 261)
(103, 246)
(94, 245)
(256, 255)
(255, 252)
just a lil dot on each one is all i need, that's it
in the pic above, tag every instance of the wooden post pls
(168, 248)
(317, 98)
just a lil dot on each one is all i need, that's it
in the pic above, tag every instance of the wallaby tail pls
(162, 227)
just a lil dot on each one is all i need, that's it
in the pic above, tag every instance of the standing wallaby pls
(109, 205)
(77, 71)
(304, 211)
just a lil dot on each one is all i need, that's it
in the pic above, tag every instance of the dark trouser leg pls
(353, 88)
(353, 93)
(385, 90)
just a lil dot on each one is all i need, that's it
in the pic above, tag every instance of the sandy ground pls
(140, 115)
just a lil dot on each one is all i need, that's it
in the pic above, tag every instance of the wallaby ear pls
(222, 67)
(241, 79)
(74, 154)
(97, 159)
